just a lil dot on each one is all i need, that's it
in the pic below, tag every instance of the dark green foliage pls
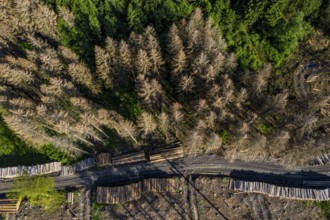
(263, 31)
(97, 209)
(275, 12)
(129, 106)
(39, 191)
(8, 140)
(253, 11)
(225, 136)
(158, 12)
(14, 151)
(94, 20)
(263, 128)
(325, 208)
(125, 103)
(323, 19)
(249, 49)
(285, 38)
(97, 19)
(77, 40)
(116, 144)
(309, 8)
(323, 205)
(257, 31)
(25, 46)
(55, 154)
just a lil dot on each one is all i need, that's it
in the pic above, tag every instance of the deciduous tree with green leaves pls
(39, 191)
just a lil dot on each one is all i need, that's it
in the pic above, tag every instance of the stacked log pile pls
(10, 172)
(129, 158)
(321, 160)
(9, 205)
(85, 203)
(79, 166)
(43, 168)
(120, 194)
(82, 203)
(159, 185)
(280, 191)
(159, 155)
(69, 197)
(103, 159)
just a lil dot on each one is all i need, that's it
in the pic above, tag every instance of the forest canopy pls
(258, 31)
(84, 77)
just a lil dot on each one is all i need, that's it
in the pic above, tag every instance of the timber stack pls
(79, 166)
(320, 160)
(9, 205)
(121, 194)
(280, 191)
(103, 159)
(40, 169)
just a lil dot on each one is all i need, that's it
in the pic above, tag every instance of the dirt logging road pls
(208, 165)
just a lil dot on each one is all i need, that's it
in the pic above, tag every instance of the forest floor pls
(209, 198)
(27, 212)
(201, 198)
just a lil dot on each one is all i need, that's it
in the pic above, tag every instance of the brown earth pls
(208, 198)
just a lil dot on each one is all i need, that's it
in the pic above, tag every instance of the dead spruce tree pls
(41, 92)
(189, 88)
(192, 67)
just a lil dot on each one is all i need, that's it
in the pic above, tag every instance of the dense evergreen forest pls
(257, 31)
(243, 79)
